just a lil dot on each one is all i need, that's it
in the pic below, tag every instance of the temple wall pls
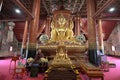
(113, 40)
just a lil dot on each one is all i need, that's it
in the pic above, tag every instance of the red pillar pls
(25, 35)
(34, 23)
(33, 31)
(77, 25)
(92, 45)
(100, 36)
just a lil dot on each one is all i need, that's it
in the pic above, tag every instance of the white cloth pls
(10, 36)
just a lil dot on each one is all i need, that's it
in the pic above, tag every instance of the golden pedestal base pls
(61, 67)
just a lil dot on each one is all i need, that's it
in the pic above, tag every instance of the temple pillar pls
(77, 25)
(2, 30)
(100, 37)
(47, 29)
(0, 39)
(92, 45)
(24, 40)
(34, 24)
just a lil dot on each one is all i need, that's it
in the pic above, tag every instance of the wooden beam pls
(108, 3)
(74, 6)
(23, 8)
(50, 6)
(43, 1)
(81, 5)
(100, 2)
(110, 19)
(4, 20)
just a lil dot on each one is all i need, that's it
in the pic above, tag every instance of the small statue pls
(61, 58)
(10, 34)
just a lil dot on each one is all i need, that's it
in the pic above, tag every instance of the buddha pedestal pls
(61, 67)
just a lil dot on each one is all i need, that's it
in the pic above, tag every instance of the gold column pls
(100, 36)
(92, 45)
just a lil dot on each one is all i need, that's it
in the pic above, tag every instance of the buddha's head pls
(11, 28)
(61, 19)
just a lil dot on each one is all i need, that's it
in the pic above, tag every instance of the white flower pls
(43, 60)
(30, 59)
(81, 38)
(43, 38)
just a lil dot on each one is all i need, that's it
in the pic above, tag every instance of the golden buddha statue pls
(61, 29)
(61, 58)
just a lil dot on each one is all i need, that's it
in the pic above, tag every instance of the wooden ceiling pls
(47, 7)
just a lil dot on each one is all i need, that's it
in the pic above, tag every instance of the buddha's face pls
(61, 20)
(11, 28)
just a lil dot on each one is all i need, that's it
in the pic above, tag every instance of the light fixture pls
(112, 9)
(11, 48)
(17, 11)
(113, 48)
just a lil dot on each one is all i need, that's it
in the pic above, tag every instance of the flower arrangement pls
(20, 64)
(76, 71)
(29, 60)
(81, 38)
(43, 60)
(44, 38)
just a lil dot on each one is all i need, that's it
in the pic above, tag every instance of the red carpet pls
(6, 74)
(113, 73)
